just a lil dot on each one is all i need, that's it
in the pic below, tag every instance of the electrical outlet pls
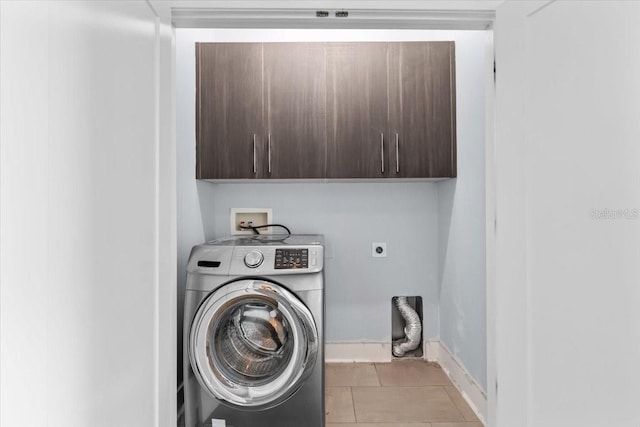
(379, 250)
(250, 216)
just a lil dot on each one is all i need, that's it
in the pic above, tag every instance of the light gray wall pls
(350, 215)
(461, 217)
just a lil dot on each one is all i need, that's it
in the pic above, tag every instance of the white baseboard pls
(434, 351)
(464, 382)
(347, 352)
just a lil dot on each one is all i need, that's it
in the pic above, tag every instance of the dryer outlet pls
(250, 216)
(379, 250)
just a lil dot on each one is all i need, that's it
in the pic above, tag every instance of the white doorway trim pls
(417, 15)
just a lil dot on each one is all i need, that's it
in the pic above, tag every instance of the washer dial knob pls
(253, 259)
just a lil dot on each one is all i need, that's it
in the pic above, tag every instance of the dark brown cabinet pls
(326, 110)
(260, 110)
(295, 90)
(357, 110)
(422, 110)
(391, 110)
(228, 110)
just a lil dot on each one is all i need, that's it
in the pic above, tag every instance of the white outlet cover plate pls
(374, 250)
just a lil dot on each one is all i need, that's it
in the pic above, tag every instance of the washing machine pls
(253, 339)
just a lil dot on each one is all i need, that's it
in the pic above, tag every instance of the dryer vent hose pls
(412, 329)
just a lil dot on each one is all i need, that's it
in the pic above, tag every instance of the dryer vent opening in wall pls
(406, 326)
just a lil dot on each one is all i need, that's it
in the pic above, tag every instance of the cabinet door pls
(357, 110)
(229, 110)
(422, 106)
(295, 90)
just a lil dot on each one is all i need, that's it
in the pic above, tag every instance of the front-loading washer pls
(253, 338)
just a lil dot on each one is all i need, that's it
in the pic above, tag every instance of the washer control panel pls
(265, 260)
(291, 258)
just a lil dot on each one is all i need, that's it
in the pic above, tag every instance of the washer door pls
(252, 344)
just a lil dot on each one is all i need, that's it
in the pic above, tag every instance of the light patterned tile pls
(466, 424)
(461, 404)
(384, 425)
(351, 374)
(462, 424)
(404, 404)
(411, 373)
(339, 405)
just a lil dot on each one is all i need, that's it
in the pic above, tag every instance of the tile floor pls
(404, 393)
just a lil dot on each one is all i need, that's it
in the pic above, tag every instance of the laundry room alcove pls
(434, 230)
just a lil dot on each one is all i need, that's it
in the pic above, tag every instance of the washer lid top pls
(270, 240)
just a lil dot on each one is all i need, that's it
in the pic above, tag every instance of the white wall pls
(568, 224)
(79, 216)
(350, 215)
(461, 216)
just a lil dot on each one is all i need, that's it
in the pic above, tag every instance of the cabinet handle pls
(397, 154)
(381, 152)
(254, 153)
(269, 152)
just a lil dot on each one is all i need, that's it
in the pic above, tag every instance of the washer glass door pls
(252, 343)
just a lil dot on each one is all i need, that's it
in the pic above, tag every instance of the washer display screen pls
(291, 258)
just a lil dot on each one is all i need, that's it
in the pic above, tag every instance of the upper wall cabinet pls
(228, 109)
(357, 107)
(422, 109)
(325, 110)
(295, 109)
(260, 110)
(391, 110)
